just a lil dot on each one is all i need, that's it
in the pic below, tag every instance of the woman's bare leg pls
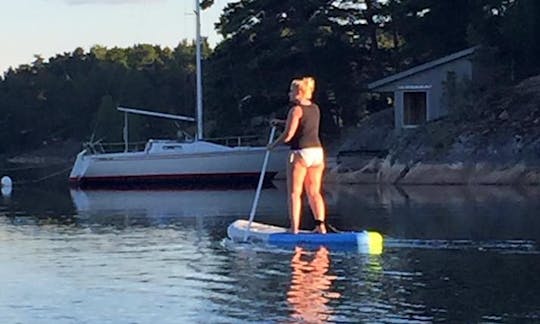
(313, 190)
(296, 172)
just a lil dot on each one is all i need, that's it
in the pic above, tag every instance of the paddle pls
(259, 185)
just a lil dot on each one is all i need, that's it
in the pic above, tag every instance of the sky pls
(50, 27)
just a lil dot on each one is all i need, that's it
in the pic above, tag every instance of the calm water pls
(452, 254)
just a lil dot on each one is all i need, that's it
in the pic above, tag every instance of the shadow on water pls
(439, 212)
(38, 204)
(62, 205)
(408, 213)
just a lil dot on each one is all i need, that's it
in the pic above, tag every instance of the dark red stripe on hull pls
(236, 180)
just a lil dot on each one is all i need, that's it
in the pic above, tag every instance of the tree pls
(518, 43)
(74, 95)
(269, 42)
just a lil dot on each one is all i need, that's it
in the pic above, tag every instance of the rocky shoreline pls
(437, 174)
(495, 141)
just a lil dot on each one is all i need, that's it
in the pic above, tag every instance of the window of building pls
(414, 108)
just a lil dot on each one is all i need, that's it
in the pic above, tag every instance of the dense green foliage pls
(342, 43)
(75, 95)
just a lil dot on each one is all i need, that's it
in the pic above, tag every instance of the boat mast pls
(199, 75)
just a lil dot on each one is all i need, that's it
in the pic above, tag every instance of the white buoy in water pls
(6, 181)
(6, 185)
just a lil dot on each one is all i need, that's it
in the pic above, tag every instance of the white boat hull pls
(240, 165)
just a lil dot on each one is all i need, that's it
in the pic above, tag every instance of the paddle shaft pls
(259, 185)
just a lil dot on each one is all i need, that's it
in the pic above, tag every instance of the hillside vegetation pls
(52, 104)
(495, 141)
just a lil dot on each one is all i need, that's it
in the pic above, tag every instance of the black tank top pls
(307, 133)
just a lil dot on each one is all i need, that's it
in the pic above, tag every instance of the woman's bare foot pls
(320, 227)
(292, 231)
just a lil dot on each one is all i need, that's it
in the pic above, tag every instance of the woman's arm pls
(293, 119)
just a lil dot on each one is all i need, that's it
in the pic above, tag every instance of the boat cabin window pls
(172, 147)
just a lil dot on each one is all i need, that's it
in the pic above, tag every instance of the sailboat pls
(178, 163)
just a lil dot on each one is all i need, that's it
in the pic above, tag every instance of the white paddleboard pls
(364, 241)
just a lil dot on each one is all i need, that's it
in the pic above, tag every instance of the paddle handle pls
(259, 185)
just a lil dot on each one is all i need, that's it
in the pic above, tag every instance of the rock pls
(374, 134)
(443, 174)
(486, 174)
(391, 172)
(356, 177)
(532, 177)
(366, 174)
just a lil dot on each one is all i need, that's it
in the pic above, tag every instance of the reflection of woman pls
(310, 284)
(306, 161)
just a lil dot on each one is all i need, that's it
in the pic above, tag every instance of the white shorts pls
(312, 156)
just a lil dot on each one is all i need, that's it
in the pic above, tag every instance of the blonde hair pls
(309, 84)
(305, 86)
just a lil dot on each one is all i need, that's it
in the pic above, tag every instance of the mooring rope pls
(54, 174)
(20, 168)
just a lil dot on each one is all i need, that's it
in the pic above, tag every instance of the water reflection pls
(311, 286)
(439, 212)
(106, 273)
(176, 203)
(389, 197)
(6, 191)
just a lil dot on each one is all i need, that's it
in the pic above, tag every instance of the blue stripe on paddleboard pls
(350, 238)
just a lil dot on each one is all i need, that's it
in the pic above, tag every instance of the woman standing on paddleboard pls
(305, 164)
